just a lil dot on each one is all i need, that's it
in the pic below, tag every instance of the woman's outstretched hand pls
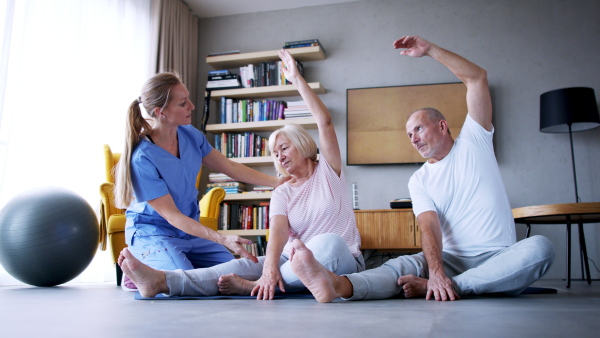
(234, 243)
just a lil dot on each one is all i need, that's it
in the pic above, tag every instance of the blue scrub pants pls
(170, 253)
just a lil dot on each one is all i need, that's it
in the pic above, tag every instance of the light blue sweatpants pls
(509, 271)
(329, 249)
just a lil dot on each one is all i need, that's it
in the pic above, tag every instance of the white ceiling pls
(212, 8)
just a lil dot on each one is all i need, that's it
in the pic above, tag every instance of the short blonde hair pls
(299, 138)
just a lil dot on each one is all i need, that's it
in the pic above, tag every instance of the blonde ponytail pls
(155, 94)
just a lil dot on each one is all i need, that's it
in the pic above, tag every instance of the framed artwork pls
(376, 119)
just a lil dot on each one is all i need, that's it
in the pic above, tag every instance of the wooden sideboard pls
(392, 229)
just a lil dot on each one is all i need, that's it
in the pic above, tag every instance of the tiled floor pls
(103, 310)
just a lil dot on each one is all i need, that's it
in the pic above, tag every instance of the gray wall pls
(528, 48)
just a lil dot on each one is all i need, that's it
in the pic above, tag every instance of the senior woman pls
(313, 206)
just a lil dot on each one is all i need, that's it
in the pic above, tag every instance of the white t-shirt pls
(466, 190)
(320, 205)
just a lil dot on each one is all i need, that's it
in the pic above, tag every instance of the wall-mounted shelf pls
(306, 123)
(258, 161)
(259, 232)
(248, 196)
(263, 92)
(302, 54)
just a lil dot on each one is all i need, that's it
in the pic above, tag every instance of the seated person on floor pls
(156, 182)
(467, 228)
(313, 206)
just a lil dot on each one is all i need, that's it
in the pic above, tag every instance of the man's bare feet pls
(324, 284)
(233, 284)
(413, 286)
(149, 281)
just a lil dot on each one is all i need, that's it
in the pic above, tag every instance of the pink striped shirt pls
(320, 205)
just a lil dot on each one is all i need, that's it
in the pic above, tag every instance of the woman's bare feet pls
(413, 286)
(149, 281)
(322, 283)
(233, 284)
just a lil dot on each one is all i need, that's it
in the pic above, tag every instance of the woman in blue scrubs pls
(156, 182)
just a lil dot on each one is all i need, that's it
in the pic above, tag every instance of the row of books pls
(227, 183)
(241, 145)
(248, 110)
(267, 73)
(229, 187)
(223, 79)
(244, 217)
(296, 110)
(303, 43)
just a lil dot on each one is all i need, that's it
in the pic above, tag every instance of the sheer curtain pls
(69, 70)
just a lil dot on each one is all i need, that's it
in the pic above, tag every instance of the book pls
(218, 72)
(301, 42)
(223, 115)
(302, 45)
(224, 84)
(222, 77)
(226, 184)
(224, 53)
(223, 81)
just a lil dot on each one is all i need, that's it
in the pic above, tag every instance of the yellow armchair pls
(112, 219)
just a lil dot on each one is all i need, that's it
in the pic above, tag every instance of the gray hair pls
(299, 138)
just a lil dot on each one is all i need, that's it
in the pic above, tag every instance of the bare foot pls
(233, 284)
(413, 286)
(149, 281)
(322, 283)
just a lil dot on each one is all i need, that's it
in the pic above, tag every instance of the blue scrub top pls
(155, 173)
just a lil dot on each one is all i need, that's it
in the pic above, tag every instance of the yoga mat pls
(277, 296)
(530, 290)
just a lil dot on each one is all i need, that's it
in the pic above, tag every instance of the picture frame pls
(376, 119)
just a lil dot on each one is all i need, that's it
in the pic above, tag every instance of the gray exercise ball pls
(48, 236)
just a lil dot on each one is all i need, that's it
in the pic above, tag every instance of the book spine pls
(301, 45)
(301, 42)
(223, 109)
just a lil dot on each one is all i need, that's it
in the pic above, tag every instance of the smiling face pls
(288, 156)
(429, 137)
(179, 109)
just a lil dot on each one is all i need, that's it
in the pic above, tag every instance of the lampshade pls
(574, 106)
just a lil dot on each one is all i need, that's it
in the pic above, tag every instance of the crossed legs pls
(509, 271)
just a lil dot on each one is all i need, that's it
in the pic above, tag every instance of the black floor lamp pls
(565, 111)
(568, 110)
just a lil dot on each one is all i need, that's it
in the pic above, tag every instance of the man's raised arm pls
(479, 102)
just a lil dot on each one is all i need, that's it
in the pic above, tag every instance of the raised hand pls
(413, 46)
(290, 68)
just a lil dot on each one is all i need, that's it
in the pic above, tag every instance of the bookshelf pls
(304, 54)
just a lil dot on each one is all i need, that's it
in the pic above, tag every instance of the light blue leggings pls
(509, 271)
(329, 249)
